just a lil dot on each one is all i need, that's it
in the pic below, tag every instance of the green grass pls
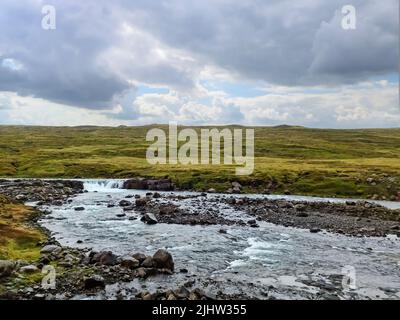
(294, 159)
(18, 240)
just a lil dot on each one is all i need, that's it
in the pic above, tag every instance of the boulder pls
(106, 258)
(79, 209)
(94, 281)
(141, 202)
(163, 260)
(148, 263)
(139, 184)
(124, 203)
(139, 256)
(49, 249)
(149, 218)
(29, 269)
(129, 262)
(7, 267)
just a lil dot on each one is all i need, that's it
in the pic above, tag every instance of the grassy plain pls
(296, 160)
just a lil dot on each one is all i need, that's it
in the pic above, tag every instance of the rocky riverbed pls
(212, 246)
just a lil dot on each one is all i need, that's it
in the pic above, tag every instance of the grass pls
(287, 159)
(18, 240)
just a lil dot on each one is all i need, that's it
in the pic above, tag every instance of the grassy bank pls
(343, 163)
(18, 240)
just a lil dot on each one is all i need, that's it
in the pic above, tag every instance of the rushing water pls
(287, 262)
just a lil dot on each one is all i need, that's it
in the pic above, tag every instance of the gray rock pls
(51, 249)
(149, 218)
(129, 262)
(7, 267)
(163, 260)
(139, 256)
(148, 263)
(29, 269)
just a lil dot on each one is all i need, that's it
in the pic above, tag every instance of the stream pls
(260, 263)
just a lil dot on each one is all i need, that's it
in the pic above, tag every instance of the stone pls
(79, 208)
(7, 267)
(129, 262)
(106, 258)
(149, 218)
(236, 185)
(95, 281)
(212, 190)
(148, 263)
(182, 293)
(163, 260)
(315, 230)
(252, 223)
(49, 249)
(29, 269)
(124, 203)
(141, 202)
(139, 256)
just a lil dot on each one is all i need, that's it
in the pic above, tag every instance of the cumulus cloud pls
(101, 53)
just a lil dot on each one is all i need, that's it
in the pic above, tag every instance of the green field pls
(296, 160)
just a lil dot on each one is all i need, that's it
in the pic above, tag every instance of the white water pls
(115, 185)
(107, 185)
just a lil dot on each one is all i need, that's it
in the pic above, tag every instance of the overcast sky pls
(253, 62)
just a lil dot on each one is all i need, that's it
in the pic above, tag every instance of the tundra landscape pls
(211, 154)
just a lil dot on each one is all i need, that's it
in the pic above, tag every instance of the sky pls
(253, 62)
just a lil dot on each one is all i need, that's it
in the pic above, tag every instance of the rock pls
(149, 218)
(223, 231)
(236, 185)
(156, 195)
(6, 268)
(139, 184)
(147, 297)
(252, 223)
(129, 262)
(95, 281)
(139, 257)
(212, 190)
(79, 208)
(29, 269)
(350, 203)
(163, 260)
(49, 249)
(171, 296)
(124, 203)
(149, 184)
(141, 273)
(302, 214)
(315, 230)
(148, 262)
(182, 293)
(106, 258)
(141, 202)
(121, 215)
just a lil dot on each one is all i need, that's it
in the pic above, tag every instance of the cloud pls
(102, 52)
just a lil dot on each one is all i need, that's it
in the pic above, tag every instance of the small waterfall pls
(103, 185)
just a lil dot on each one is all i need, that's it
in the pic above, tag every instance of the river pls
(269, 261)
